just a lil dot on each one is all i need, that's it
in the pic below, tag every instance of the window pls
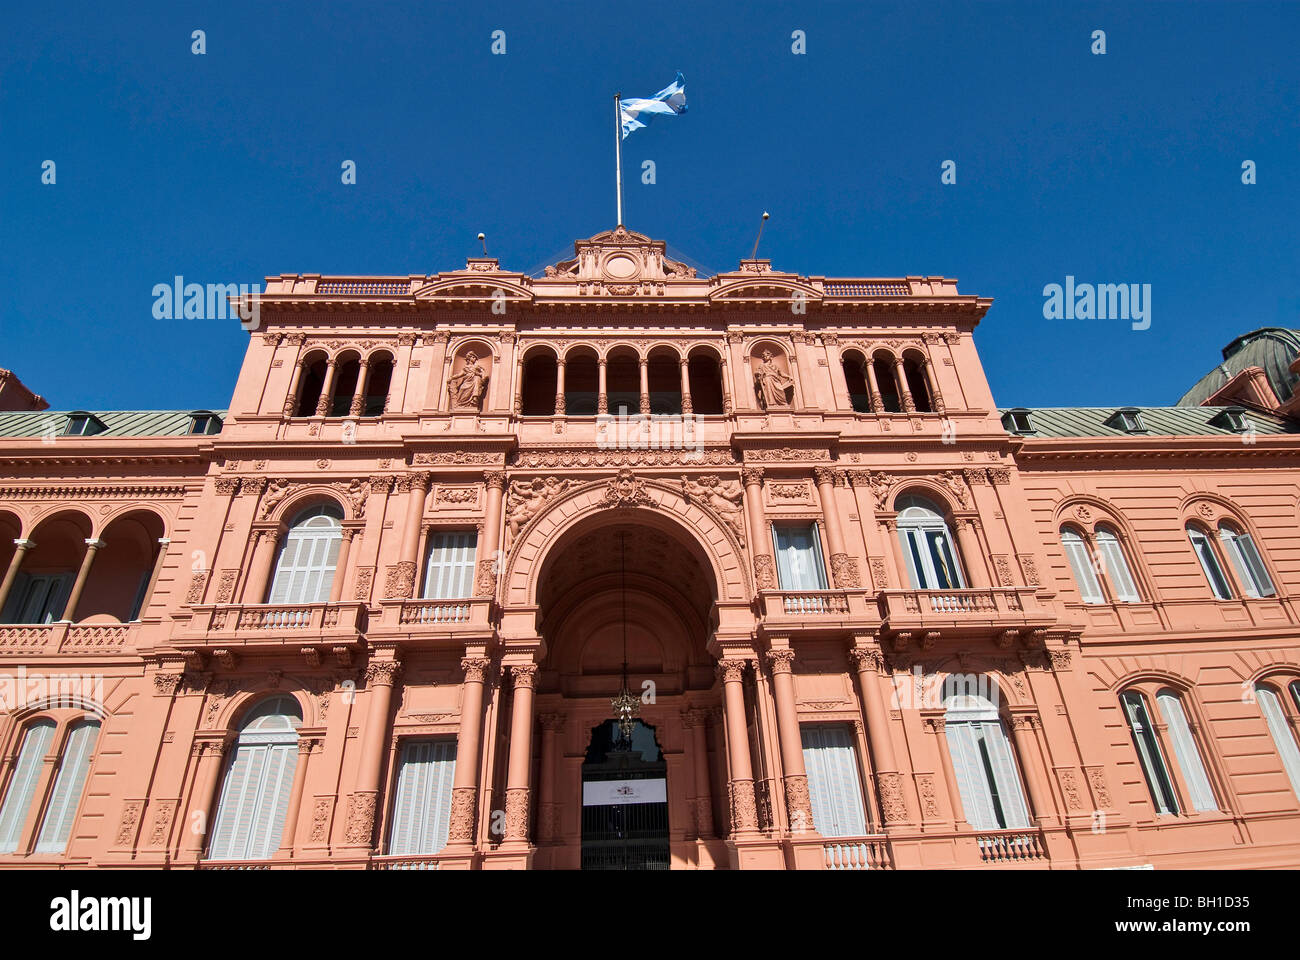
(305, 570)
(1149, 754)
(1185, 750)
(1128, 420)
(799, 557)
(927, 544)
(1017, 421)
(255, 795)
(82, 424)
(1283, 738)
(1209, 563)
(68, 788)
(982, 759)
(203, 422)
(1076, 551)
(1246, 561)
(38, 598)
(834, 788)
(449, 571)
(1232, 418)
(422, 803)
(1115, 566)
(22, 783)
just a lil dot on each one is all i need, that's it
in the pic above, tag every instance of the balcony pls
(433, 618)
(259, 626)
(17, 640)
(816, 610)
(963, 611)
(1012, 846)
(857, 853)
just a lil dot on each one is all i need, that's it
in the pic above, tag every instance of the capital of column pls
(824, 475)
(731, 671)
(524, 674)
(780, 661)
(495, 479)
(752, 475)
(867, 659)
(476, 669)
(382, 672)
(552, 722)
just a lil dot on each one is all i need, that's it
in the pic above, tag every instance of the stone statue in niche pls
(774, 388)
(466, 387)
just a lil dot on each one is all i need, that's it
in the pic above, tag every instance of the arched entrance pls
(624, 800)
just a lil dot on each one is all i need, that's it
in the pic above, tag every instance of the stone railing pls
(1011, 846)
(1017, 605)
(813, 605)
(364, 288)
(857, 853)
(434, 614)
(64, 637)
(426, 862)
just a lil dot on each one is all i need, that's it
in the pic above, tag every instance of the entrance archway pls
(624, 800)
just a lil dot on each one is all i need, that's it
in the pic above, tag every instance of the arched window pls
(1270, 705)
(305, 570)
(1246, 561)
(1154, 746)
(834, 788)
(422, 800)
(927, 544)
(378, 382)
(1115, 565)
(1185, 750)
(581, 384)
(255, 794)
(917, 385)
(855, 378)
(1150, 755)
(540, 383)
(313, 382)
(705, 377)
(69, 785)
(664, 380)
(1085, 574)
(889, 392)
(22, 783)
(987, 779)
(345, 385)
(1209, 563)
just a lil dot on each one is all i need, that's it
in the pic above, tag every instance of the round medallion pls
(621, 266)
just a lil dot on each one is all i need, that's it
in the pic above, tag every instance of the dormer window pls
(82, 424)
(204, 422)
(1129, 420)
(1017, 421)
(1231, 418)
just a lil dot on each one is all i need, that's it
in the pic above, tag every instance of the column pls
(380, 677)
(602, 395)
(744, 812)
(358, 405)
(972, 554)
(163, 544)
(645, 386)
(909, 405)
(873, 387)
(726, 388)
(291, 401)
(521, 752)
(485, 584)
(835, 363)
(937, 725)
(305, 746)
(259, 577)
(797, 803)
(401, 583)
(843, 569)
(931, 381)
(327, 389)
(208, 755)
(760, 539)
(464, 787)
(14, 566)
(870, 664)
(559, 387)
(341, 567)
(1031, 765)
(695, 720)
(687, 406)
(890, 525)
(546, 810)
(70, 608)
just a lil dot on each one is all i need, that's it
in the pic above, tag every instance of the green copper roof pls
(119, 423)
(1270, 348)
(1055, 422)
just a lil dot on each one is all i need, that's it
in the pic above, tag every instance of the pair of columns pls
(602, 392)
(843, 572)
(83, 573)
(358, 403)
(906, 399)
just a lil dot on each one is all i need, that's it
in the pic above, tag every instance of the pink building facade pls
(376, 615)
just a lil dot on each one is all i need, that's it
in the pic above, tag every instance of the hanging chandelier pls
(626, 706)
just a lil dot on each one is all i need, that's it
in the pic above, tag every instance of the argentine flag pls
(671, 100)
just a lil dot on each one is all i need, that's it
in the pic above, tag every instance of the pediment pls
(619, 256)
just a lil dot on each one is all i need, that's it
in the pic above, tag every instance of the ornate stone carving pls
(526, 500)
(929, 802)
(198, 581)
(465, 387)
(1060, 659)
(382, 671)
(731, 671)
(773, 387)
(626, 490)
(166, 683)
(764, 572)
(744, 809)
(276, 491)
(227, 486)
(320, 819)
(517, 813)
(1030, 566)
(365, 577)
(890, 787)
(400, 580)
(1070, 789)
(361, 818)
(131, 811)
(226, 585)
(798, 805)
(162, 821)
(1097, 780)
(485, 585)
(1003, 567)
(464, 805)
(880, 487)
(524, 675)
(723, 497)
(844, 571)
(1000, 475)
(952, 479)
(879, 578)
(780, 661)
(475, 668)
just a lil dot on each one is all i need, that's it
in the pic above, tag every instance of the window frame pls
(915, 536)
(1248, 568)
(816, 559)
(1283, 725)
(467, 568)
(842, 803)
(1195, 531)
(302, 569)
(1189, 795)
(29, 824)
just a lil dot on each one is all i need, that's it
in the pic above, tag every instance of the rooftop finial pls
(754, 255)
(482, 238)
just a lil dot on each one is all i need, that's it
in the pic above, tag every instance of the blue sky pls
(226, 167)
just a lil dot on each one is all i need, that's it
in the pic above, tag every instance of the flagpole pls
(618, 152)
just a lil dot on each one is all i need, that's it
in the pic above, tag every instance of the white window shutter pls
(422, 805)
(22, 783)
(1245, 576)
(1282, 735)
(834, 787)
(1010, 794)
(68, 788)
(449, 570)
(1149, 755)
(1210, 564)
(972, 784)
(799, 557)
(1076, 551)
(1189, 757)
(306, 567)
(1121, 579)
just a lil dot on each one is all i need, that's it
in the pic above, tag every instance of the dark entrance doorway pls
(624, 800)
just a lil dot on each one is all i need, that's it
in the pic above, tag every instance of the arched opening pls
(932, 561)
(305, 569)
(665, 379)
(43, 586)
(346, 376)
(313, 382)
(705, 376)
(581, 383)
(378, 383)
(623, 381)
(537, 392)
(624, 800)
(11, 528)
(855, 377)
(988, 777)
(119, 580)
(889, 395)
(917, 384)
